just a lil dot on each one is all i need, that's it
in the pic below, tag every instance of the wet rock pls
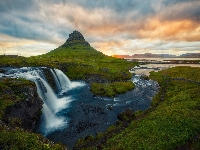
(110, 108)
(144, 77)
(78, 127)
(2, 70)
(24, 113)
(90, 78)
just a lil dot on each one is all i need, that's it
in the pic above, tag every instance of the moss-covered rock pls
(19, 102)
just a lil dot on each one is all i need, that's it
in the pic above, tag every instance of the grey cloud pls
(19, 5)
(184, 10)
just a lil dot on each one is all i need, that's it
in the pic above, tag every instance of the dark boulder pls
(2, 70)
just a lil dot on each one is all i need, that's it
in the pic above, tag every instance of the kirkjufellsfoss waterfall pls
(52, 104)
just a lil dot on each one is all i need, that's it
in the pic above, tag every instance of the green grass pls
(18, 139)
(167, 124)
(111, 89)
(191, 73)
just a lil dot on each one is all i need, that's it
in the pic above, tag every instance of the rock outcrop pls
(26, 107)
(74, 39)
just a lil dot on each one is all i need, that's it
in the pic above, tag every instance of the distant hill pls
(149, 55)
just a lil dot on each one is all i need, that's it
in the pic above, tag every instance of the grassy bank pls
(111, 89)
(172, 122)
(18, 139)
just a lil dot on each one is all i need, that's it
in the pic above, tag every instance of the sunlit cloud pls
(113, 27)
(23, 47)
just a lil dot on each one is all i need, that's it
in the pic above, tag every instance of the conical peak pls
(75, 38)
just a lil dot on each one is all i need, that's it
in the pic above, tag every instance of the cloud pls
(23, 47)
(110, 26)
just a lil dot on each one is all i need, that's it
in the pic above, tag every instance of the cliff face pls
(22, 105)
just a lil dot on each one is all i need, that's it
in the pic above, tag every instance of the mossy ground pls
(172, 122)
(18, 139)
(10, 93)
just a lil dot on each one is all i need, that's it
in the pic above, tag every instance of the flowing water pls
(73, 111)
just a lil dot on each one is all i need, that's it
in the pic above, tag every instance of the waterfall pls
(51, 99)
(58, 85)
(63, 79)
(52, 104)
(51, 120)
(38, 72)
(40, 89)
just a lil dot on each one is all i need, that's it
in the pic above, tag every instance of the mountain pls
(74, 39)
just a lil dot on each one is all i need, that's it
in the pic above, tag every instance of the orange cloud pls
(180, 30)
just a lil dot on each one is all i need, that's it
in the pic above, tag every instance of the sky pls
(114, 27)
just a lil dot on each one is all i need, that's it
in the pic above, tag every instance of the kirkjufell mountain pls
(75, 38)
(74, 45)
